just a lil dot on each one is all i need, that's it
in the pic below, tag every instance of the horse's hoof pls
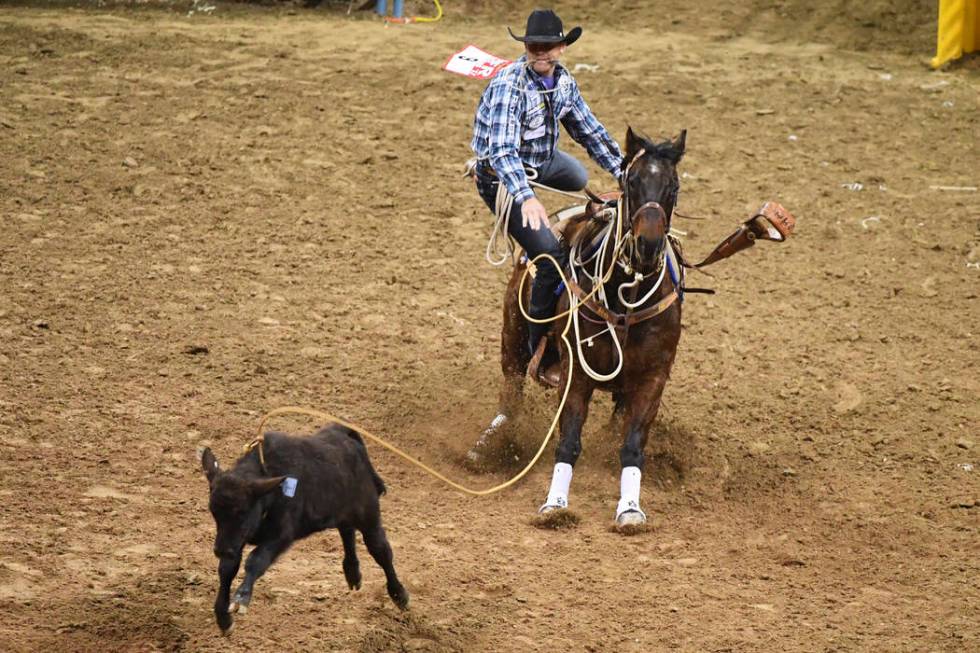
(476, 457)
(631, 522)
(550, 507)
(631, 518)
(555, 519)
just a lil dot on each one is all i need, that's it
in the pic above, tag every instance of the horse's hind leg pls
(619, 412)
(573, 417)
(514, 358)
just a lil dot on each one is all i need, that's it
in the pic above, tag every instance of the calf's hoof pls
(476, 456)
(399, 596)
(239, 604)
(353, 577)
(225, 622)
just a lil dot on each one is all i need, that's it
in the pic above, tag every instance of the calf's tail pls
(379, 484)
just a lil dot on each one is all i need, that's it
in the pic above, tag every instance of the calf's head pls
(236, 505)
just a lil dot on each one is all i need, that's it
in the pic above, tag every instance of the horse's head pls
(650, 186)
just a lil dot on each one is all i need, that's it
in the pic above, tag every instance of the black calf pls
(332, 484)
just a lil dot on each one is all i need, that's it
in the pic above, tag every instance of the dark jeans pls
(563, 172)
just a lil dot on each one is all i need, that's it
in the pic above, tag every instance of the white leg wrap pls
(629, 491)
(497, 422)
(560, 480)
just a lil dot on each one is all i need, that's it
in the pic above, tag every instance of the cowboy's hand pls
(533, 214)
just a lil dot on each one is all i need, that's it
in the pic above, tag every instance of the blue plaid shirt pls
(516, 125)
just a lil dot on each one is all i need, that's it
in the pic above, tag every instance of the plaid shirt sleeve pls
(586, 130)
(505, 140)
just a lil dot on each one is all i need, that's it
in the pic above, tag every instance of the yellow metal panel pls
(959, 30)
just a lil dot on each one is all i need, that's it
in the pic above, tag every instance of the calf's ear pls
(263, 486)
(209, 464)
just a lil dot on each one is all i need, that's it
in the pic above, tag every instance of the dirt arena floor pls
(208, 214)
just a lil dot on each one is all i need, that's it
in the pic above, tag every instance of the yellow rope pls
(417, 19)
(257, 442)
(430, 19)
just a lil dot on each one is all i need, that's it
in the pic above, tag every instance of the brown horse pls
(627, 315)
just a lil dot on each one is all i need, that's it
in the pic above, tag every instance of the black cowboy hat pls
(544, 26)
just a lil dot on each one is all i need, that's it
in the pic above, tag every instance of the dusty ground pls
(281, 190)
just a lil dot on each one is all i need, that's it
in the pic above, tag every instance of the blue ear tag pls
(289, 486)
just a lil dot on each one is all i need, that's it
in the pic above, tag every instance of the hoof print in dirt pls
(559, 519)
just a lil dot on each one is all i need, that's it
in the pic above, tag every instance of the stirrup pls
(546, 377)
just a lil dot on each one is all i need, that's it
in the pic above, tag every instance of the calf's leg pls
(227, 569)
(258, 562)
(352, 568)
(377, 544)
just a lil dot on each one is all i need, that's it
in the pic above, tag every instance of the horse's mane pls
(664, 150)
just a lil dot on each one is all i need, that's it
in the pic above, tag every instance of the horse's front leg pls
(641, 410)
(573, 417)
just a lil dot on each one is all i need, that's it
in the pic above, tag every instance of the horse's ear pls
(632, 143)
(680, 141)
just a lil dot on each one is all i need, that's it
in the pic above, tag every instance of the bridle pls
(627, 259)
